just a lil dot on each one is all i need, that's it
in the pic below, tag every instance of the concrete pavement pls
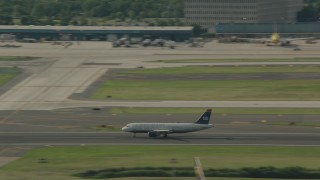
(57, 104)
(72, 70)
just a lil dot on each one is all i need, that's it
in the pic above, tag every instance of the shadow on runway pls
(185, 138)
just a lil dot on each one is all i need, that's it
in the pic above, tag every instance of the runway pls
(81, 127)
(120, 138)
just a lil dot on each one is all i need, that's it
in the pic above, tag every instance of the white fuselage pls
(168, 127)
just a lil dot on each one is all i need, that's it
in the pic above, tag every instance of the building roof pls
(98, 28)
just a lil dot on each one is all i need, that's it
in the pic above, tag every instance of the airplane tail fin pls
(205, 118)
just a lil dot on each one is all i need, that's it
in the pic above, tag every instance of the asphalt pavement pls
(200, 138)
(90, 127)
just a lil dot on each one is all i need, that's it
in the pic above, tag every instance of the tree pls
(83, 21)
(48, 21)
(29, 20)
(43, 11)
(65, 20)
(120, 16)
(6, 20)
(87, 5)
(162, 22)
(308, 14)
(132, 14)
(18, 10)
(74, 22)
(197, 30)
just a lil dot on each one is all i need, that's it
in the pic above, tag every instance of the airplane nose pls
(124, 129)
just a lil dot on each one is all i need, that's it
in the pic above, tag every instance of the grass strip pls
(217, 111)
(62, 162)
(215, 90)
(185, 178)
(6, 74)
(191, 178)
(228, 69)
(249, 172)
(311, 59)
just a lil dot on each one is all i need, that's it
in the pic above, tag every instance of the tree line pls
(246, 172)
(80, 12)
(310, 13)
(98, 12)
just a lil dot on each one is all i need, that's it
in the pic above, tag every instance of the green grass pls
(16, 58)
(312, 59)
(229, 69)
(6, 74)
(213, 89)
(62, 162)
(217, 111)
(5, 78)
(177, 178)
(236, 90)
(188, 178)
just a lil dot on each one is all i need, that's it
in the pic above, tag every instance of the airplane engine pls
(153, 134)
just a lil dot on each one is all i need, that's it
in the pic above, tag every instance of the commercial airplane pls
(158, 129)
(274, 39)
(277, 40)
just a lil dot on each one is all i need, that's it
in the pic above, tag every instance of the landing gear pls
(134, 134)
(154, 134)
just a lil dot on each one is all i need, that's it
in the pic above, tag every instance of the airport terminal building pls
(208, 13)
(80, 33)
(266, 29)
